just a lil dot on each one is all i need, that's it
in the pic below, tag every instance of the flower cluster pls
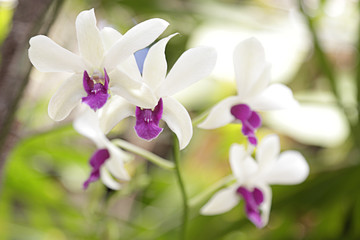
(117, 76)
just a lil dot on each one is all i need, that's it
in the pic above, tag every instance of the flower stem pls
(161, 162)
(202, 197)
(176, 152)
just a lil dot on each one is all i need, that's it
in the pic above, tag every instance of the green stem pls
(161, 162)
(200, 118)
(176, 152)
(202, 197)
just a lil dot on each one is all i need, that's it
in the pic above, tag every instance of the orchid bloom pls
(192, 66)
(252, 74)
(254, 177)
(107, 160)
(96, 71)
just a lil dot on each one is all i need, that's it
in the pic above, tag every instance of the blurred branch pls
(30, 18)
(328, 70)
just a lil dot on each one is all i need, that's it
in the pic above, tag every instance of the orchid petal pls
(138, 37)
(147, 121)
(66, 98)
(220, 114)
(221, 202)
(107, 179)
(265, 207)
(115, 164)
(89, 40)
(242, 164)
(249, 65)
(290, 168)
(87, 124)
(192, 66)
(155, 65)
(268, 150)
(48, 56)
(109, 36)
(178, 120)
(276, 97)
(114, 111)
(134, 91)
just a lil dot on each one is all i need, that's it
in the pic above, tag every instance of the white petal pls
(132, 90)
(48, 56)
(242, 164)
(268, 151)
(290, 168)
(66, 98)
(266, 205)
(89, 40)
(115, 164)
(87, 124)
(155, 65)
(275, 97)
(109, 37)
(138, 37)
(108, 180)
(192, 66)
(115, 110)
(249, 65)
(177, 118)
(220, 114)
(222, 201)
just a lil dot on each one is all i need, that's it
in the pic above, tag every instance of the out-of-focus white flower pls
(96, 70)
(108, 160)
(252, 74)
(254, 177)
(193, 65)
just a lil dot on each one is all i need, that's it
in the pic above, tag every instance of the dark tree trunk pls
(30, 18)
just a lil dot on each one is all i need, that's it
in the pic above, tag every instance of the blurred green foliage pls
(42, 195)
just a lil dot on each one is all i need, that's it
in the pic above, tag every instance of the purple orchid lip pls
(147, 121)
(96, 88)
(96, 161)
(250, 120)
(253, 200)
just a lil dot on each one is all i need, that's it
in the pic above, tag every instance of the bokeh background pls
(313, 46)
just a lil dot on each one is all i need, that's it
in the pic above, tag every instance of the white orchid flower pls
(95, 72)
(193, 65)
(254, 177)
(108, 160)
(252, 74)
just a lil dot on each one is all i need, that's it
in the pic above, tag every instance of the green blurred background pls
(313, 50)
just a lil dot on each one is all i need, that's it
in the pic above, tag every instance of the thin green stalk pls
(200, 118)
(176, 152)
(161, 162)
(202, 197)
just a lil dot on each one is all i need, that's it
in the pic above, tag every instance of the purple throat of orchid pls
(147, 121)
(250, 120)
(96, 87)
(253, 200)
(96, 161)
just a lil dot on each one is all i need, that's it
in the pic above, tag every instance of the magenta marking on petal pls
(253, 201)
(97, 89)
(87, 83)
(241, 111)
(254, 119)
(96, 161)
(250, 120)
(147, 121)
(258, 196)
(106, 84)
